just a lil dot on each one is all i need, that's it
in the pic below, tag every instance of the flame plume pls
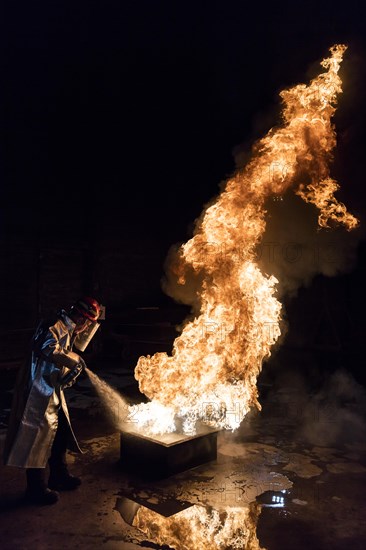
(217, 358)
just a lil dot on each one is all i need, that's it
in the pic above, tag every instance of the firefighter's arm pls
(52, 350)
(65, 360)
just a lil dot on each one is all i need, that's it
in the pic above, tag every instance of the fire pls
(218, 356)
(198, 527)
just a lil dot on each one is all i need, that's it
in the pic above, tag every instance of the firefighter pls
(39, 426)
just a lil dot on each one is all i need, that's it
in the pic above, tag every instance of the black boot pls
(37, 491)
(60, 478)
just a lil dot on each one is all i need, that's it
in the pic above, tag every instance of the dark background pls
(119, 120)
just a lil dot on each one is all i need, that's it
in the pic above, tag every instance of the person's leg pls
(57, 457)
(37, 490)
(60, 478)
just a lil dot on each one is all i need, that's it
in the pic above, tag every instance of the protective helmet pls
(87, 307)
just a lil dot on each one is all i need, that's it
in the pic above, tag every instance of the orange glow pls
(198, 527)
(213, 370)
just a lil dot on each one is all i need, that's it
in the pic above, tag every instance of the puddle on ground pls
(194, 527)
(216, 505)
(346, 468)
(302, 466)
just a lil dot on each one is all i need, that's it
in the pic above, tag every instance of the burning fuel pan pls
(159, 456)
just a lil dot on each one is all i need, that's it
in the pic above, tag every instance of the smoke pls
(326, 411)
(336, 414)
(295, 250)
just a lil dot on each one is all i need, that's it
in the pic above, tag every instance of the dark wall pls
(40, 278)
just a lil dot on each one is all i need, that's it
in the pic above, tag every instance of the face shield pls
(84, 337)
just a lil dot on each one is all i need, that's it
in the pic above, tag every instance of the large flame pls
(216, 360)
(198, 527)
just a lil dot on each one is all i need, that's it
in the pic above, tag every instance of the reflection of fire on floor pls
(213, 506)
(194, 526)
(159, 456)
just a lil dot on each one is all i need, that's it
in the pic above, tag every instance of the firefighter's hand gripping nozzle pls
(70, 378)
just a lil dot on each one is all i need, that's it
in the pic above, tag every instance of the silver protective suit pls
(38, 396)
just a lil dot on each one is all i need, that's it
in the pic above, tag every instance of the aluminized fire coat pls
(38, 396)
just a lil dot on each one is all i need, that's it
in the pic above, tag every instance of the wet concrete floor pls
(269, 488)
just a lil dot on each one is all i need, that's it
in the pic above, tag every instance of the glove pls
(70, 378)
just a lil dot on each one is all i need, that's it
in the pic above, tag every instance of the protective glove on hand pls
(70, 378)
